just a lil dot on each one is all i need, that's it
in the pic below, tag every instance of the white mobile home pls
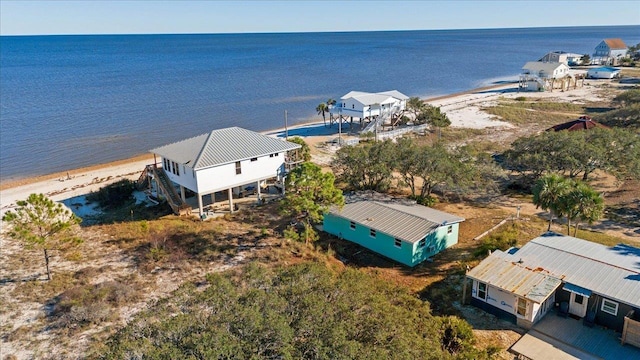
(603, 72)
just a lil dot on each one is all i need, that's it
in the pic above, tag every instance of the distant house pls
(540, 76)
(603, 72)
(222, 160)
(398, 229)
(377, 108)
(582, 123)
(588, 280)
(562, 57)
(609, 52)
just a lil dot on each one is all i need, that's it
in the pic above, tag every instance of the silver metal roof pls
(610, 271)
(222, 146)
(399, 218)
(385, 97)
(500, 271)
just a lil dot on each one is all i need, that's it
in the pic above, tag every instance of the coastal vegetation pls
(43, 224)
(310, 193)
(423, 168)
(575, 153)
(575, 200)
(296, 312)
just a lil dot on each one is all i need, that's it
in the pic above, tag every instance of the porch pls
(556, 337)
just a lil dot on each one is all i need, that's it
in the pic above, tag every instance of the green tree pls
(41, 223)
(408, 162)
(581, 203)
(310, 193)
(322, 109)
(305, 150)
(575, 153)
(415, 106)
(548, 193)
(367, 166)
(585, 59)
(436, 118)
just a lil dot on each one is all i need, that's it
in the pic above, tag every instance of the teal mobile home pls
(396, 228)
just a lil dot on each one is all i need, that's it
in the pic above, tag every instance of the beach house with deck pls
(225, 160)
(578, 278)
(547, 76)
(609, 52)
(398, 229)
(376, 108)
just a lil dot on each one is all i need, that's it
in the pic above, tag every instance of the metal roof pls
(501, 271)
(610, 271)
(399, 218)
(222, 146)
(385, 97)
(537, 66)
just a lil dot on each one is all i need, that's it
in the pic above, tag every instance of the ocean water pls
(73, 101)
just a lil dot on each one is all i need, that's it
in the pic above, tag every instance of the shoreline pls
(29, 180)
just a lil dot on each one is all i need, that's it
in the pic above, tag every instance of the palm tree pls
(322, 108)
(548, 192)
(588, 205)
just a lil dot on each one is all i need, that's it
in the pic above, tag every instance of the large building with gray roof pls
(398, 229)
(587, 279)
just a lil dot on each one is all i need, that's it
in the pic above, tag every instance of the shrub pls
(89, 304)
(114, 195)
(502, 240)
(521, 98)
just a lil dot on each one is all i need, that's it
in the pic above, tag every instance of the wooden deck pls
(567, 338)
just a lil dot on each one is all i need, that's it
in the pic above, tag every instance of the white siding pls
(185, 178)
(225, 177)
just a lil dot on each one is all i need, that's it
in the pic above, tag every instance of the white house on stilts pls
(225, 160)
(376, 108)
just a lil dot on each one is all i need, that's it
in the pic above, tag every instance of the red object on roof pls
(615, 43)
(582, 123)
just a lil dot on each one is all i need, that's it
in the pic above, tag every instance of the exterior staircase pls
(381, 119)
(165, 185)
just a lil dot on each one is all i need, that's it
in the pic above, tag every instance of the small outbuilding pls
(582, 123)
(398, 229)
(603, 72)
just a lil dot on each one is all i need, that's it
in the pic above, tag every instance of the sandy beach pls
(463, 109)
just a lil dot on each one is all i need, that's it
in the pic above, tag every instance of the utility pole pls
(286, 131)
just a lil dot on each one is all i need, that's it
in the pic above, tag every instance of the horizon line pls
(319, 32)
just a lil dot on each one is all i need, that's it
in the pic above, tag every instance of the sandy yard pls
(464, 111)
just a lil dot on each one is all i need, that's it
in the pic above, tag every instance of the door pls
(578, 304)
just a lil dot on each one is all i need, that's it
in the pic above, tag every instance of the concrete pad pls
(537, 346)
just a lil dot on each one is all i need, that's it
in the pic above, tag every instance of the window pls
(610, 307)
(277, 154)
(450, 229)
(271, 155)
(177, 169)
(522, 307)
(578, 299)
(352, 225)
(422, 243)
(431, 249)
(238, 168)
(372, 233)
(254, 159)
(482, 291)
(398, 243)
(353, 106)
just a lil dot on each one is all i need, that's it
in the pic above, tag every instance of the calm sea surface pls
(73, 101)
